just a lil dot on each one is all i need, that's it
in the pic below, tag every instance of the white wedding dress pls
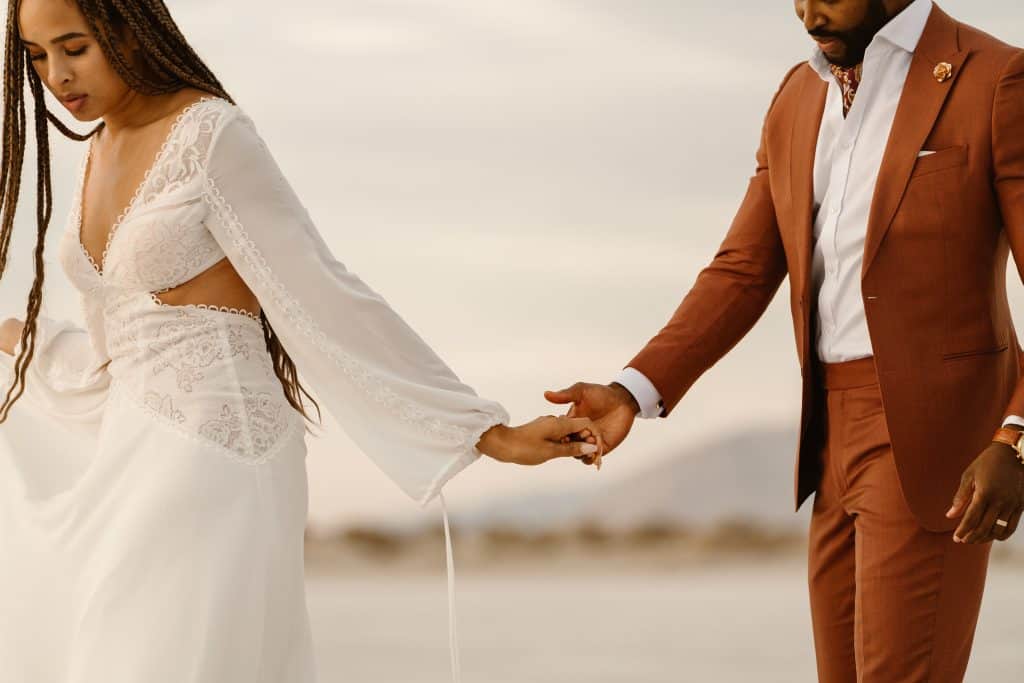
(165, 543)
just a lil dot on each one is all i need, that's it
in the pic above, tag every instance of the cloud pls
(355, 37)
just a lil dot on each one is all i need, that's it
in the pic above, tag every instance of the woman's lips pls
(75, 104)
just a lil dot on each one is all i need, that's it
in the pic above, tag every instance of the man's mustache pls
(819, 33)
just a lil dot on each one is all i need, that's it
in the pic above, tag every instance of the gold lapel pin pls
(943, 70)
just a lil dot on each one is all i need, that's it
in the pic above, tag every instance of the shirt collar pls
(904, 31)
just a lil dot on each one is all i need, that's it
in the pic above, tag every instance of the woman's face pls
(68, 59)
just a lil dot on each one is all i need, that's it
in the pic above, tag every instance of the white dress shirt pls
(846, 165)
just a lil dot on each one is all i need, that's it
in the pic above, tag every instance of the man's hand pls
(610, 406)
(991, 488)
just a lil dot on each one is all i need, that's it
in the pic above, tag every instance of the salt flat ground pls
(721, 623)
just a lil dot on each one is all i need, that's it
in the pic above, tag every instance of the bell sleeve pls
(390, 392)
(67, 379)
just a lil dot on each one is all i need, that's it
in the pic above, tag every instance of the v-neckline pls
(101, 267)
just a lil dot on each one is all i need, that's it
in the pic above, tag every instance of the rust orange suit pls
(885, 440)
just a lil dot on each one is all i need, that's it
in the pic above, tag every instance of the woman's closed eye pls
(69, 53)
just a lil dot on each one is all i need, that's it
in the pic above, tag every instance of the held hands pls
(546, 438)
(611, 406)
(992, 488)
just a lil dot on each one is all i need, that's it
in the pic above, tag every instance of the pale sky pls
(534, 185)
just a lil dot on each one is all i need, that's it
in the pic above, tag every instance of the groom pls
(890, 189)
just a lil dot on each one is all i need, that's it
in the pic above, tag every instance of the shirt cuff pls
(1014, 420)
(643, 391)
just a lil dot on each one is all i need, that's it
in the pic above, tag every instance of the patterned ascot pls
(849, 79)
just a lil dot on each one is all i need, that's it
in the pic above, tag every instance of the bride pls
(175, 554)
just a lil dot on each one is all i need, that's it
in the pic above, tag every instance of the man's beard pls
(858, 38)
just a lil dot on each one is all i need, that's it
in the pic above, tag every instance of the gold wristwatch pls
(1013, 438)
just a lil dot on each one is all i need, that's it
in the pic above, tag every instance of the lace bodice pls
(214, 192)
(160, 240)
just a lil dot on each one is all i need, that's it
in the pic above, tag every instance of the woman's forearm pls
(493, 441)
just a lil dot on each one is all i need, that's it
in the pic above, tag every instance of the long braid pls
(164, 63)
(44, 209)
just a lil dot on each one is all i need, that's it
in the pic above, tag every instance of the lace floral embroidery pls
(192, 350)
(265, 441)
(204, 373)
(256, 432)
(188, 344)
(164, 405)
(166, 252)
(186, 150)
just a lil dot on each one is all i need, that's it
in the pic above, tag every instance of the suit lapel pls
(919, 107)
(804, 143)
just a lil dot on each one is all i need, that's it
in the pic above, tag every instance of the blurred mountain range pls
(713, 499)
(747, 476)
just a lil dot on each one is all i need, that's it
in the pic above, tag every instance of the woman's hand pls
(543, 439)
(10, 333)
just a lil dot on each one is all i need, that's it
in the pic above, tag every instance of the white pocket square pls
(925, 152)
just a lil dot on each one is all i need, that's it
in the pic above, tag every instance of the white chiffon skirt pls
(143, 556)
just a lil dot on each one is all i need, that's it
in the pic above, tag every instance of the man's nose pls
(812, 16)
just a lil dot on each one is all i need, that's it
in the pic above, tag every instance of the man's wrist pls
(626, 397)
(1009, 435)
(1010, 452)
(643, 391)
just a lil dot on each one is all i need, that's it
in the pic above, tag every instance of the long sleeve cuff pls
(645, 393)
(1014, 420)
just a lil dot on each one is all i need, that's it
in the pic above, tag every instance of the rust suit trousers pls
(890, 601)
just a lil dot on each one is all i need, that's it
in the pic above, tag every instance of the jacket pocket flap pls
(940, 160)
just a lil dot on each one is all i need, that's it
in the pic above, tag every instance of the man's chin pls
(842, 55)
(835, 51)
(842, 59)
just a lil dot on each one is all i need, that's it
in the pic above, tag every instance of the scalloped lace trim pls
(207, 307)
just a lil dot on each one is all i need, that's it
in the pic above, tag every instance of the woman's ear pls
(132, 47)
(128, 39)
(132, 42)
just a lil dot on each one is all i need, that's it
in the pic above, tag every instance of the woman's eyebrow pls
(60, 39)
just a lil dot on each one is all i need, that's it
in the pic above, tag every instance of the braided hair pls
(163, 63)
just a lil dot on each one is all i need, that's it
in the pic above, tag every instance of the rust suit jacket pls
(933, 279)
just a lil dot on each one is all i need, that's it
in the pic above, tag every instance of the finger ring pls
(1002, 522)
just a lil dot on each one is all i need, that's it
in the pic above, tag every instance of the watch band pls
(1013, 438)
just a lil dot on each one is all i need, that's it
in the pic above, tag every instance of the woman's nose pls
(59, 76)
